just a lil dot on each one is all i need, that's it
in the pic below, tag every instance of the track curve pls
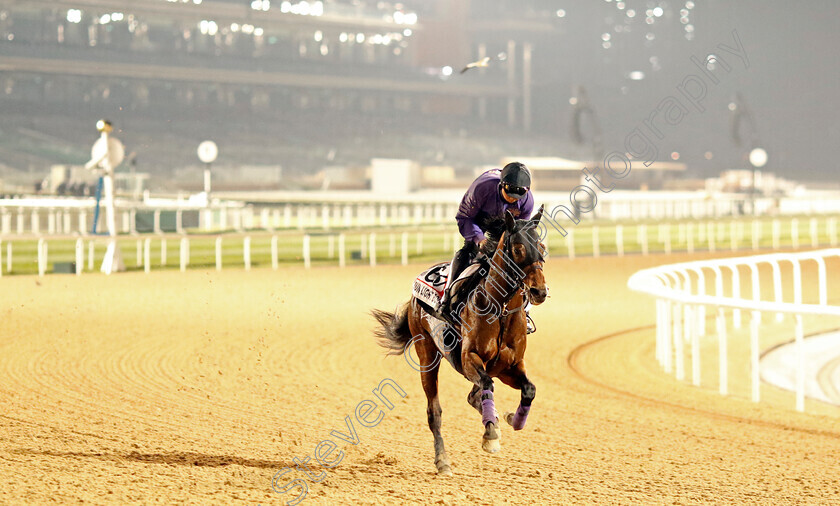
(197, 387)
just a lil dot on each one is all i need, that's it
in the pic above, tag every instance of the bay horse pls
(490, 339)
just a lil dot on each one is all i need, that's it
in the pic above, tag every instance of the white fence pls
(681, 303)
(324, 211)
(359, 247)
(56, 216)
(389, 244)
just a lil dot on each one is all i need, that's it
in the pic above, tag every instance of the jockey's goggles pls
(516, 192)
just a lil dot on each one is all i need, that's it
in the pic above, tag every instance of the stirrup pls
(531, 326)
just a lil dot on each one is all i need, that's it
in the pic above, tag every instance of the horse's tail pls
(394, 334)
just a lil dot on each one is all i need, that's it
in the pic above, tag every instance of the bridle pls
(507, 249)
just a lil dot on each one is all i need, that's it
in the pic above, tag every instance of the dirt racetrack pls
(197, 388)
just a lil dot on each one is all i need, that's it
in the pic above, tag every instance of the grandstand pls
(303, 87)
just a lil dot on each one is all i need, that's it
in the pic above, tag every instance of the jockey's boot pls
(459, 262)
(531, 326)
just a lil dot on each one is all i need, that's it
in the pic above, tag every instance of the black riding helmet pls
(516, 180)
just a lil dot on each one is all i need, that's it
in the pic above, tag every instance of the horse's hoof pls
(491, 445)
(509, 418)
(444, 470)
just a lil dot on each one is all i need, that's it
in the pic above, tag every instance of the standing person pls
(483, 205)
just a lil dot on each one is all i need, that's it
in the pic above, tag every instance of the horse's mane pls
(496, 227)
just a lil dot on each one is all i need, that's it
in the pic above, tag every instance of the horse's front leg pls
(515, 377)
(475, 371)
(430, 365)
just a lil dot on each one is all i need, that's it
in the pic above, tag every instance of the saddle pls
(428, 290)
(429, 285)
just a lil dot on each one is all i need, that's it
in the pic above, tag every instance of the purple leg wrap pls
(488, 408)
(519, 418)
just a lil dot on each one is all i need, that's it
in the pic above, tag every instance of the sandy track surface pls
(197, 388)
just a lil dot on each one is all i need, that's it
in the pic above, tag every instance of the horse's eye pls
(518, 251)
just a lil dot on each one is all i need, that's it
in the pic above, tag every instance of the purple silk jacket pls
(484, 200)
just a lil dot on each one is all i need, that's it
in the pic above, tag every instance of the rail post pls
(723, 362)
(755, 322)
(777, 286)
(307, 259)
(800, 362)
(246, 252)
(274, 254)
(700, 313)
(42, 257)
(342, 252)
(666, 337)
(404, 248)
(147, 255)
(80, 256)
(596, 242)
(659, 346)
(619, 240)
(218, 253)
(794, 233)
(678, 341)
(692, 335)
(823, 280)
(265, 218)
(156, 224)
(184, 253)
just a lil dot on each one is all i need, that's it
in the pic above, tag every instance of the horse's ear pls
(537, 217)
(510, 221)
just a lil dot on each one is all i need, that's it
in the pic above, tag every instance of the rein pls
(507, 249)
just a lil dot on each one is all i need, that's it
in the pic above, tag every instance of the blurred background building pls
(303, 94)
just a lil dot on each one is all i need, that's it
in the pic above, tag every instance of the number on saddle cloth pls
(429, 285)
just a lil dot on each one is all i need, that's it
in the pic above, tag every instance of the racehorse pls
(490, 339)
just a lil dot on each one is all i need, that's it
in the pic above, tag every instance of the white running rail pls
(681, 304)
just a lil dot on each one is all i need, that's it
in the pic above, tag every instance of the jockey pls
(485, 202)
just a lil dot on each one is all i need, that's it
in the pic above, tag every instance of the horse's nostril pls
(537, 294)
